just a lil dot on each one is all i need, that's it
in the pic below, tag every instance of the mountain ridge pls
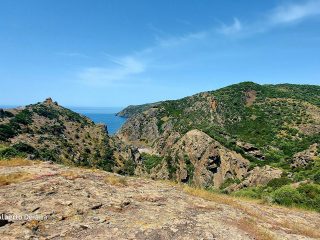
(271, 126)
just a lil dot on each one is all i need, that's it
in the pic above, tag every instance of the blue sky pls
(118, 52)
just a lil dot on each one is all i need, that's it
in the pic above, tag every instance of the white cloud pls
(123, 69)
(234, 28)
(295, 12)
(280, 15)
(175, 41)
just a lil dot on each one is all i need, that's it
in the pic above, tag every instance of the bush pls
(23, 147)
(311, 194)
(49, 155)
(24, 117)
(128, 167)
(316, 177)
(190, 168)
(46, 111)
(9, 152)
(229, 182)
(150, 161)
(106, 162)
(250, 192)
(279, 182)
(309, 190)
(171, 166)
(6, 132)
(288, 196)
(4, 114)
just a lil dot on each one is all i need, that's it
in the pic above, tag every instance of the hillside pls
(133, 109)
(284, 116)
(269, 130)
(75, 203)
(48, 131)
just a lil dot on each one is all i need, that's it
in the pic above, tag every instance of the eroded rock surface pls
(258, 176)
(212, 163)
(74, 203)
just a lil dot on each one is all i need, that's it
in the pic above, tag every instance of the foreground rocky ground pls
(75, 203)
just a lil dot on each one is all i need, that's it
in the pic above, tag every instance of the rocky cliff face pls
(140, 129)
(205, 162)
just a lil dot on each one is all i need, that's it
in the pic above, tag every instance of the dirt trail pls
(74, 203)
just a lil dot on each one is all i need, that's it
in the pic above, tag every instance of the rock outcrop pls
(259, 176)
(305, 158)
(141, 129)
(205, 161)
(251, 150)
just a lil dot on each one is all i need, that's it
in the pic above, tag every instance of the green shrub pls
(49, 155)
(46, 111)
(250, 192)
(309, 190)
(171, 166)
(190, 168)
(316, 177)
(6, 132)
(229, 182)
(128, 167)
(24, 117)
(279, 182)
(288, 196)
(4, 114)
(311, 194)
(23, 147)
(150, 161)
(10, 152)
(106, 162)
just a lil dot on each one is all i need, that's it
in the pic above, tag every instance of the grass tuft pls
(249, 226)
(115, 180)
(71, 175)
(15, 162)
(16, 177)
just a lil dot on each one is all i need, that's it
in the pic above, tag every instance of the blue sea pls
(105, 115)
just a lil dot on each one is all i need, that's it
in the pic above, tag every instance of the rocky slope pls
(50, 132)
(209, 137)
(59, 202)
(133, 109)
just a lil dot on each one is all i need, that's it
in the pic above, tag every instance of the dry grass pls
(221, 198)
(249, 226)
(15, 162)
(16, 177)
(115, 180)
(256, 215)
(71, 175)
(296, 228)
